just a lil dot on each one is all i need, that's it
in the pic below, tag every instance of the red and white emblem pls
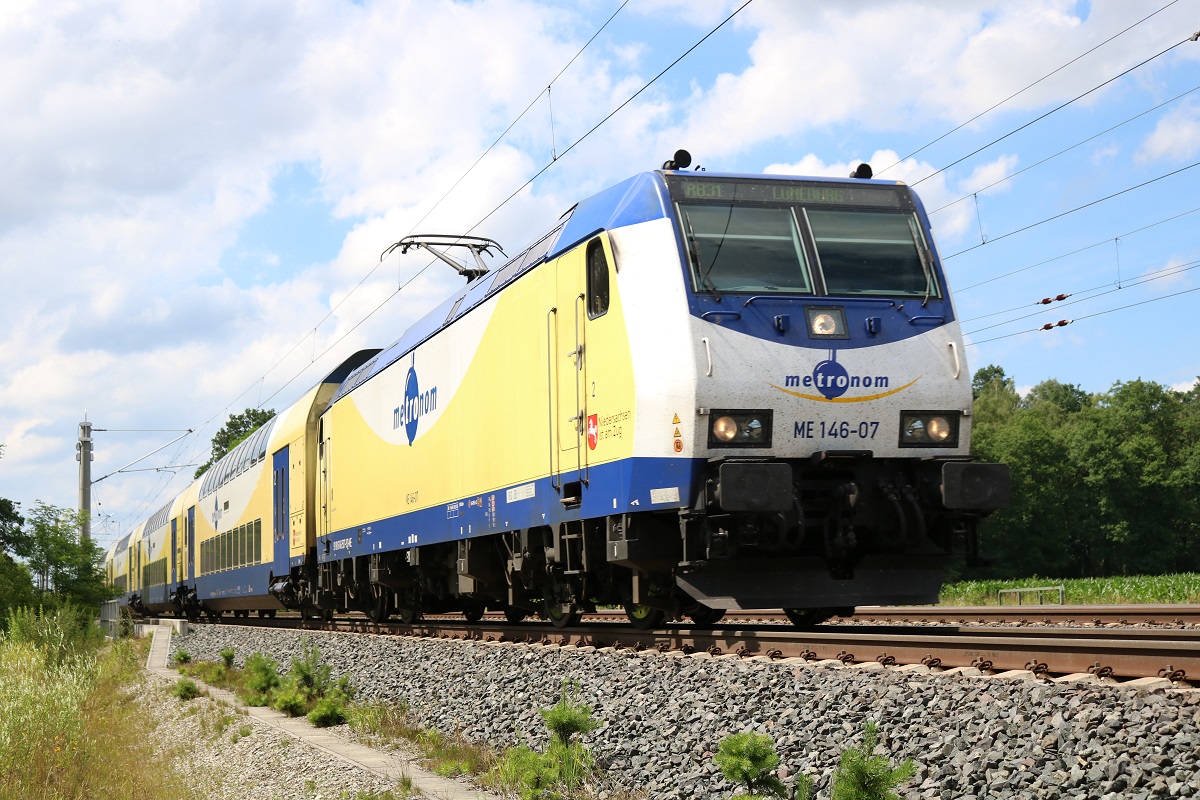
(593, 430)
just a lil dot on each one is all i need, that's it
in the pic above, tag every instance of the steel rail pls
(1125, 653)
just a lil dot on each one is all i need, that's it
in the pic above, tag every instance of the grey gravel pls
(226, 755)
(664, 715)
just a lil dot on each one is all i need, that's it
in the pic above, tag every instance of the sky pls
(194, 194)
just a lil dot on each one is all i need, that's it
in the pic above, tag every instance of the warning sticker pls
(676, 420)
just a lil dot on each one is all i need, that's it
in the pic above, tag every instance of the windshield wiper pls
(925, 256)
(694, 251)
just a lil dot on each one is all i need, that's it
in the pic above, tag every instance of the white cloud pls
(1169, 276)
(1175, 137)
(140, 139)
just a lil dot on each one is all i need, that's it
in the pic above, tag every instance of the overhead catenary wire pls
(1016, 94)
(1090, 316)
(1072, 211)
(1077, 251)
(1110, 288)
(1054, 110)
(317, 356)
(1036, 164)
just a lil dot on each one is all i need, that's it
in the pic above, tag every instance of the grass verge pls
(1132, 589)
(70, 725)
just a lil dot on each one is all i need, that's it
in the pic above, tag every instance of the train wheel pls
(643, 616)
(706, 617)
(807, 617)
(266, 614)
(559, 617)
(514, 614)
(473, 611)
(381, 608)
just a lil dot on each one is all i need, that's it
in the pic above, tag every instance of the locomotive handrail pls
(927, 320)
(734, 314)
(551, 387)
(818, 298)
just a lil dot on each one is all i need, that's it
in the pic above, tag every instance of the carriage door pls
(190, 536)
(174, 554)
(582, 294)
(568, 373)
(279, 496)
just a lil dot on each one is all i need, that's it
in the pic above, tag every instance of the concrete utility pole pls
(83, 454)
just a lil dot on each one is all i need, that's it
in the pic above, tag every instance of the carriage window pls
(744, 249)
(870, 252)
(597, 280)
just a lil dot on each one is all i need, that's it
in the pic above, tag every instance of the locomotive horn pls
(682, 160)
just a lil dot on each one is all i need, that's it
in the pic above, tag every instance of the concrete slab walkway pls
(390, 766)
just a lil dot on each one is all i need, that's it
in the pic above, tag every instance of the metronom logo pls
(832, 381)
(416, 404)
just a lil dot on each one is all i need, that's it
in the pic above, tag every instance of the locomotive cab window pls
(597, 280)
(736, 248)
(871, 252)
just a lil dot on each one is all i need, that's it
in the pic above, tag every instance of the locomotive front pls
(832, 397)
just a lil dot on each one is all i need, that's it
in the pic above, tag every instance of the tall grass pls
(1181, 588)
(69, 725)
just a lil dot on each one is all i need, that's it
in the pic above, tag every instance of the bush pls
(568, 716)
(182, 657)
(61, 633)
(262, 673)
(309, 676)
(562, 770)
(227, 657)
(750, 759)
(186, 689)
(861, 775)
(289, 700)
(328, 712)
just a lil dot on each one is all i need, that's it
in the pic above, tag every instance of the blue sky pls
(195, 195)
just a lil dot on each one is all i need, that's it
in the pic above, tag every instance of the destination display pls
(684, 188)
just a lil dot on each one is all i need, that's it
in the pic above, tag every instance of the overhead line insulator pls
(1045, 301)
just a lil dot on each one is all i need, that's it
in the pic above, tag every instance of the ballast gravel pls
(664, 715)
(225, 754)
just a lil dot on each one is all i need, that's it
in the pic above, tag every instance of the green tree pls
(750, 759)
(234, 432)
(862, 775)
(65, 568)
(16, 584)
(1132, 448)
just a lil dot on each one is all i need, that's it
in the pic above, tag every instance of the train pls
(696, 392)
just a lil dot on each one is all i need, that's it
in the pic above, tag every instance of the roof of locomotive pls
(641, 198)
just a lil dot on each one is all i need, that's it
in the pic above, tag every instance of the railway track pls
(1106, 653)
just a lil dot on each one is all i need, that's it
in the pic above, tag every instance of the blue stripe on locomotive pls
(619, 487)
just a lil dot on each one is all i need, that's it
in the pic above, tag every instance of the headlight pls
(929, 428)
(740, 429)
(826, 322)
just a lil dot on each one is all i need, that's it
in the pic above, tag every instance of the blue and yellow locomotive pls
(697, 392)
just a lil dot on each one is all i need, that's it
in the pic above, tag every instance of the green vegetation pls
(186, 689)
(1102, 484)
(563, 771)
(750, 759)
(69, 727)
(235, 430)
(862, 775)
(1182, 588)
(307, 689)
